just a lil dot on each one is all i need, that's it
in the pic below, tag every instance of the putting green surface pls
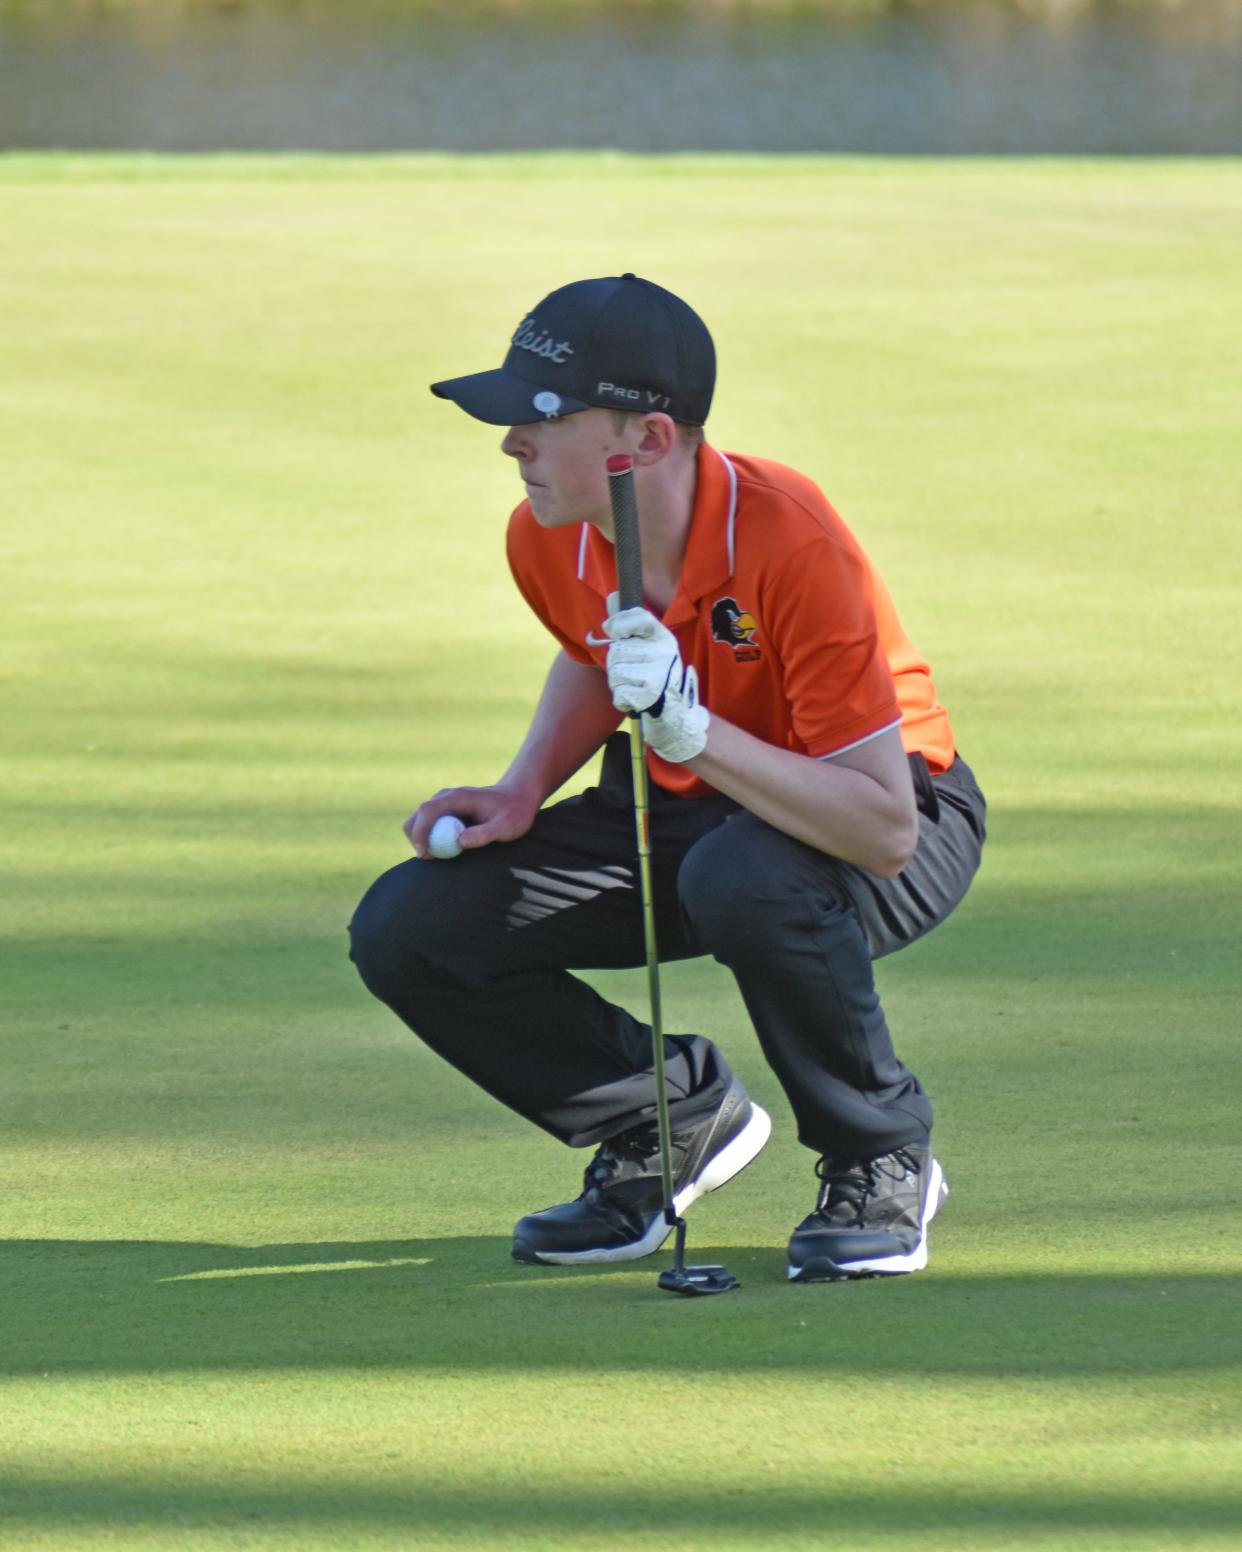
(255, 1279)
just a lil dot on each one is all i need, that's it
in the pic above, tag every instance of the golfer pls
(809, 812)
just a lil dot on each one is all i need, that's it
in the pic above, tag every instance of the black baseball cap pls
(619, 343)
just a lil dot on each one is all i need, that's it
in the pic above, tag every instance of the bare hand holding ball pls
(444, 841)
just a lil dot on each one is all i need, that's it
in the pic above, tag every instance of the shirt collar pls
(709, 558)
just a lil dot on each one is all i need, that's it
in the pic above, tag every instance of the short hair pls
(688, 437)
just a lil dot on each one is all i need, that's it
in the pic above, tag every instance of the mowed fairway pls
(256, 1282)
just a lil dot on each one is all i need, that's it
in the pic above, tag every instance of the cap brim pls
(501, 399)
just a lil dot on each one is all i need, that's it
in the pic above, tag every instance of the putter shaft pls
(642, 824)
(628, 552)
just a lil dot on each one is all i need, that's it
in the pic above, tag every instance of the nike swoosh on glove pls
(646, 674)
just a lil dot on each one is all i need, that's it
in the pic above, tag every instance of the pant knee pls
(392, 936)
(373, 937)
(747, 887)
(701, 904)
(428, 926)
(720, 891)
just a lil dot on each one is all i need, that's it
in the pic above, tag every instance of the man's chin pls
(551, 512)
(546, 513)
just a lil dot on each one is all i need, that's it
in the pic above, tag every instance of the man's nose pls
(515, 444)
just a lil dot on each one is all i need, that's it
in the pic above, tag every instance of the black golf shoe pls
(871, 1218)
(620, 1214)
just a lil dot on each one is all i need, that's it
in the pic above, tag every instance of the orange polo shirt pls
(792, 630)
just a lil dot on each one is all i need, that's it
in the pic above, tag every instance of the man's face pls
(562, 466)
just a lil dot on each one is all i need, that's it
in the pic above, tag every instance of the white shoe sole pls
(730, 1161)
(892, 1266)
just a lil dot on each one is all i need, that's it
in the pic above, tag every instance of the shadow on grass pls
(99, 1306)
(1094, 897)
(596, 1514)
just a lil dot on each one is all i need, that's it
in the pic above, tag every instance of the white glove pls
(642, 659)
(646, 674)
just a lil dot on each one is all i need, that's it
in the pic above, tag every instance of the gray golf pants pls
(475, 956)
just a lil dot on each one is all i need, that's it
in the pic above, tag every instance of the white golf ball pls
(443, 840)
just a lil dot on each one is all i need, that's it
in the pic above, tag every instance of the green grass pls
(256, 1290)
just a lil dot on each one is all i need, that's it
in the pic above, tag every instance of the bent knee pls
(747, 884)
(433, 921)
(718, 883)
(393, 925)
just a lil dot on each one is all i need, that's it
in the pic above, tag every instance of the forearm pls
(858, 805)
(861, 811)
(573, 718)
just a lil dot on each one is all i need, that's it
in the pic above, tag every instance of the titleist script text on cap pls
(528, 337)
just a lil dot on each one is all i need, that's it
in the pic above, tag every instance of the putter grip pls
(625, 533)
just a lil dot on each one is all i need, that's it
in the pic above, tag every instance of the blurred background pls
(1144, 77)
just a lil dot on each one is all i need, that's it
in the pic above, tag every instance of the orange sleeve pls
(822, 619)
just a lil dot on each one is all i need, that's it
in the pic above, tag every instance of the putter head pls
(696, 1280)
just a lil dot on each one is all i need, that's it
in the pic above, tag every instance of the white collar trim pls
(730, 524)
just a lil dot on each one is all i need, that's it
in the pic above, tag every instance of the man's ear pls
(658, 439)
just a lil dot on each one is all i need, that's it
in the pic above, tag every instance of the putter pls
(691, 1280)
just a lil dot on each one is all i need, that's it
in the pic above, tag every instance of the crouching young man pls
(809, 814)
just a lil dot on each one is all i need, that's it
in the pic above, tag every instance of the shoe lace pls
(853, 1182)
(635, 1146)
(599, 1172)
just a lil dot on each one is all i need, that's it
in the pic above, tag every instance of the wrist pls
(524, 788)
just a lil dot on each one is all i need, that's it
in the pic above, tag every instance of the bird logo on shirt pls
(736, 627)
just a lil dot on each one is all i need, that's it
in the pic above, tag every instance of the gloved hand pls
(646, 674)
